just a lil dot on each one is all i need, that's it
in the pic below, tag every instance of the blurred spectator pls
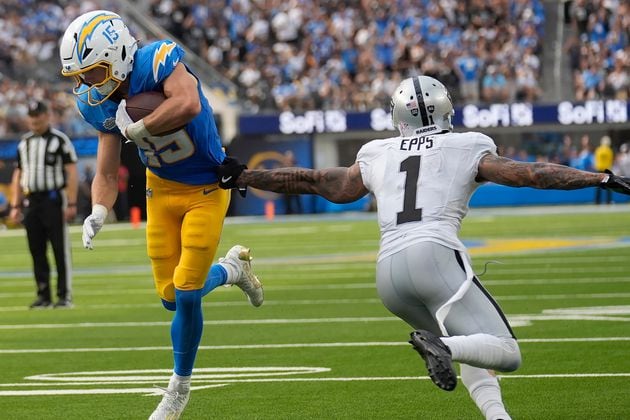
(522, 156)
(590, 84)
(584, 158)
(526, 84)
(468, 68)
(4, 209)
(603, 161)
(567, 151)
(618, 81)
(599, 51)
(622, 161)
(494, 86)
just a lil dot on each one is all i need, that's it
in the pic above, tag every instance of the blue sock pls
(216, 277)
(186, 330)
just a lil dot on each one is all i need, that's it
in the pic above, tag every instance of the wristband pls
(71, 205)
(137, 130)
(99, 211)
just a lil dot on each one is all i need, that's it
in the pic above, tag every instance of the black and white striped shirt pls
(41, 159)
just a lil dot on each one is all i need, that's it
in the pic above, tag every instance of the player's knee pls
(171, 306)
(166, 291)
(512, 355)
(513, 363)
(187, 278)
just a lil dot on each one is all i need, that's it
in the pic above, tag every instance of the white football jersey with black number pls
(422, 185)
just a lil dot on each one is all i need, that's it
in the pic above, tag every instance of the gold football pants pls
(184, 224)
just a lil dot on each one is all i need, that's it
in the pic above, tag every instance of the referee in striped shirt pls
(43, 197)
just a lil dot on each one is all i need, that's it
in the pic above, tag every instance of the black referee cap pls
(37, 108)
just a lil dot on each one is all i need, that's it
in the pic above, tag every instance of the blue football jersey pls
(189, 155)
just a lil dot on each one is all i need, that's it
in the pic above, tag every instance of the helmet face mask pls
(421, 102)
(105, 86)
(97, 40)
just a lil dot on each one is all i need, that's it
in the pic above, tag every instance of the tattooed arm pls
(541, 175)
(339, 185)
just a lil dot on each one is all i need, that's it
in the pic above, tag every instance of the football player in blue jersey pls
(180, 146)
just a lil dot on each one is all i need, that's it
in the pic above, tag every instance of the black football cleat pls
(437, 357)
(41, 303)
(63, 303)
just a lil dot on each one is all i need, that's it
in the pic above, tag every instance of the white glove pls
(93, 223)
(129, 129)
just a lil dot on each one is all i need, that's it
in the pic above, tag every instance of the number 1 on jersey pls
(410, 213)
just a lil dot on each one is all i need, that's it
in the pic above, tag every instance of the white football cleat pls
(239, 258)
(172, 405)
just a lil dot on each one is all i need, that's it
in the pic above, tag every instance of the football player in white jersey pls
(422, 181)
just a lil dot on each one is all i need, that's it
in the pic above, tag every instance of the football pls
(142, 104)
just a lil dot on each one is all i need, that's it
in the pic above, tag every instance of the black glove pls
(616, 183)
(228, 172)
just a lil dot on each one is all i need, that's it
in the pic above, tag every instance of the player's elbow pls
(342, 196)
(337, 199)
(190, 109)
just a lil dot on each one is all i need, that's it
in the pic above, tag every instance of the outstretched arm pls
(339, 185)
(541, 175)
(105, 182)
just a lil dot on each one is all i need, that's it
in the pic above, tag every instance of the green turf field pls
(322, 346)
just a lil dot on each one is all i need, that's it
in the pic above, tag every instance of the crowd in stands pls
(599, 49)
(314, 54)
(15, 96)
(323, 54)
(577, 152)
(29, 62)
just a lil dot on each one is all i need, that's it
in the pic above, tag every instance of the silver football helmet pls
(98, 39)
(421, 101)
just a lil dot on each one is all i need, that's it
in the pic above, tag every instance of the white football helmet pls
(421, 101)
(97, 39)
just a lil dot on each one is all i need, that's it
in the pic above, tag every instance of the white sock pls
(485, 391)
(485, 351)
(233, 273)
(178, 382)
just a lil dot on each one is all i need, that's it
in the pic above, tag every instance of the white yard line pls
(579, 314)
(283, 302)
(340, 271)
(207, 322)
(225, 381)
(290, 345)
